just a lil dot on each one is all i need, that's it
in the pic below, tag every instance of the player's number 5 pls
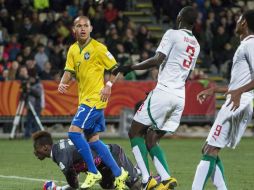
(190, 50)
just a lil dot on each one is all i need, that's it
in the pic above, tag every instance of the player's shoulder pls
(249, 41)
(73, 47)
(98, 44)
(171, 32)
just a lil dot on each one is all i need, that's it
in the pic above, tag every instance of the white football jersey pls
(181, 49)
(242, 71)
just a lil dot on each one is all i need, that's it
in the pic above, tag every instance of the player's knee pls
(210, 150)
(136, 130)
(150, 144)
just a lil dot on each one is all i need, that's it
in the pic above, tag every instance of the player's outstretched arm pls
(154, 61)
(63, 85)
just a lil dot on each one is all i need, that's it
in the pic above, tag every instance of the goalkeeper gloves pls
(50, 185)
(122, 69)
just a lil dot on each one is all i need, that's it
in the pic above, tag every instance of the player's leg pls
(218, 178)
(159, 159)
(102, 150)
(140, 152)
(98, 125)
(206, 167)
(122, 160)
(77, 137)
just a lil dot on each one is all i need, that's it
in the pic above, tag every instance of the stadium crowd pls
(35, 35)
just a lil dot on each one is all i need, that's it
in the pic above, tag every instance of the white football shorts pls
(161, 110)
(229, 126)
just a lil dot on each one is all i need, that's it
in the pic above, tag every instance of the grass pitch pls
(20, 169)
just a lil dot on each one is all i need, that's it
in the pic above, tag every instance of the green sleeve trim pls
(113, 67)
(71, 71)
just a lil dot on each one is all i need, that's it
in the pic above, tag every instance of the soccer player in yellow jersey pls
(87, 59)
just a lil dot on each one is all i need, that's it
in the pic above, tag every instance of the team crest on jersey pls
(87, 55)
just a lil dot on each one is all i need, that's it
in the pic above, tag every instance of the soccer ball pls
(49, 185)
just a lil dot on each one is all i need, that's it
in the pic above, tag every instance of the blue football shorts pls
(91, 120)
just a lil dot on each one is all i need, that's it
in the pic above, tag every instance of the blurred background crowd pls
(35, 34)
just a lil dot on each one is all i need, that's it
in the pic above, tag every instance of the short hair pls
(42, 138)
(81, 17)
(249, 17)
(189, 15)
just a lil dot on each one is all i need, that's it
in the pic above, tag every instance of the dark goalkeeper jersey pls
(65, 155)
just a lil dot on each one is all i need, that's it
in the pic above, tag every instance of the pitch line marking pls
(28, 178)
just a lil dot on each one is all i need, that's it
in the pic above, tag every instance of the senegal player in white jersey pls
(176, 55)
(235, 113)
(87, 59)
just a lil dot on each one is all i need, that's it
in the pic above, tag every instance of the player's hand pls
(105, 93)
(201, 97)
(235, 97)
(62, 88)
(122, 69)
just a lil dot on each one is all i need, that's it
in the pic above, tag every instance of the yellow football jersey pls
(89, 64)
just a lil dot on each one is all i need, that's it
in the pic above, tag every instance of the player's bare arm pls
(235, 95)
(201, 97)
(154, 61)
(63, 85)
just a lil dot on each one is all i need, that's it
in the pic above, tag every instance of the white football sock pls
(218, 179)
(160, 169)
(141, 164)
(200, 175)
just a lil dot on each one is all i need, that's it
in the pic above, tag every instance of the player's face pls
(82, 29)
(41, 152)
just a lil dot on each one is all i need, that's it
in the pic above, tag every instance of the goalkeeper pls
(65, 155)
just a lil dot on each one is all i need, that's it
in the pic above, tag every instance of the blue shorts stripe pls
(89, 113)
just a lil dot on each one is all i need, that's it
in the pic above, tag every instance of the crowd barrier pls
(125, 94)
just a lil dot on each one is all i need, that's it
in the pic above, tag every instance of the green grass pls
(17, 159)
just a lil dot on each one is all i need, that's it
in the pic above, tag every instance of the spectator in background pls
(129, 41)
(5, 75)
(27, 53)
(62, 31)
(4, 36)
(35, 95)
(32, 67)
(41, 5)
(13, 70)
(219, 41)
(99, 25)
(143, 35)
(46, 74)
(110, 13)
(13, 48)
(41, 57)
(27, 31)
(18, 17)
(112, 39)
(56, 57)
(149, 47)
(142, 74)
(73, 8)
(48, 26)
(6, 20)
